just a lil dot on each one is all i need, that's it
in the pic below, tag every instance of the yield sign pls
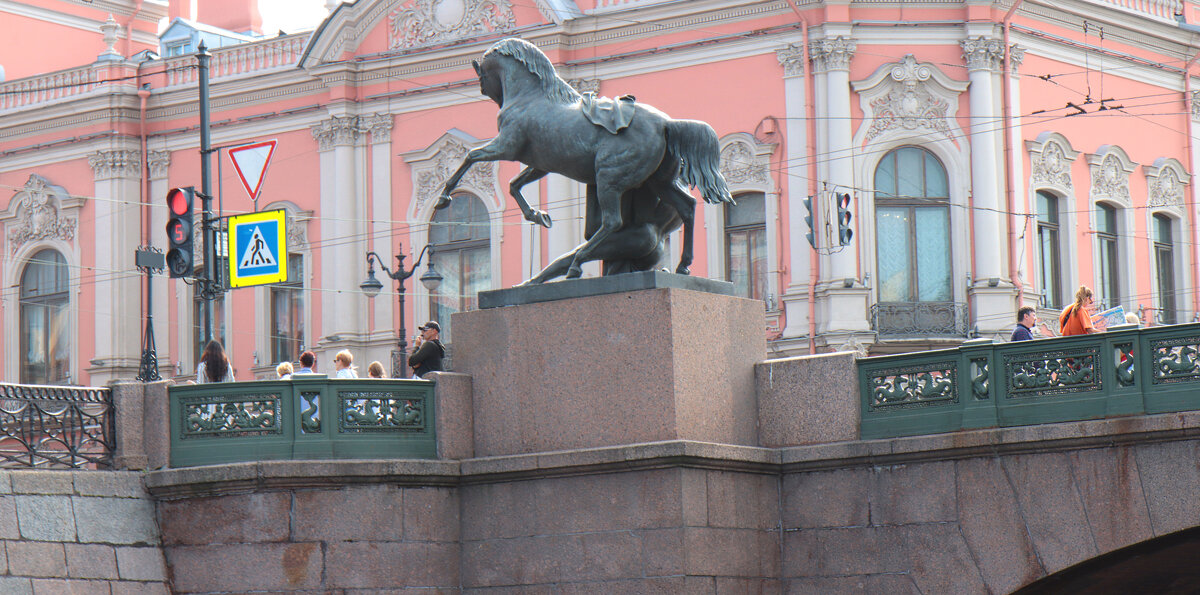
(251, 163)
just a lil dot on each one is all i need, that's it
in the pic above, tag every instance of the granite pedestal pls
(629, 359)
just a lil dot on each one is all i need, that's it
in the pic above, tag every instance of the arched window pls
(1164, 267)
(1049, 253)
(1108, 285)
(461, 238)
(45, 338)
(746, 245)
(912, 219)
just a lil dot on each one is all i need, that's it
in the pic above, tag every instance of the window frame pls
(1164, 254)
(58, 300)
(1052, 296)
(886, 199)
(290, 291)
(461, 248)
(1108, 244)
(754, 230)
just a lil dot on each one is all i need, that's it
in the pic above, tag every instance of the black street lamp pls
(431, 280)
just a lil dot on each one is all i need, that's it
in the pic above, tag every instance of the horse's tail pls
(695, 144)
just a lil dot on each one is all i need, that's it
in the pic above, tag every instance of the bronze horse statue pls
(633, 168)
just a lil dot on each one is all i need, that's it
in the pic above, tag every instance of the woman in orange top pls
(1076, 319)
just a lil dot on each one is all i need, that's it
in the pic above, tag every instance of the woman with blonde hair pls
(284, 371)
(344, 362)
(1076, 319)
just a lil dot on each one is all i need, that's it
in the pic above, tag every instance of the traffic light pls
(179, 231)
(843, 219)
(812, 240)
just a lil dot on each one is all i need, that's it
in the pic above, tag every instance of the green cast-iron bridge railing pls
(308, 417)
(1124, 371)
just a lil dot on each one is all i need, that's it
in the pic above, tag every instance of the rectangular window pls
(1109, 287)
(746, 246)
(1049, 257)
(287, 313)
(198, 324)
(1164, 265)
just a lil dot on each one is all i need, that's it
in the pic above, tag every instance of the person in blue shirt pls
(1026, 320)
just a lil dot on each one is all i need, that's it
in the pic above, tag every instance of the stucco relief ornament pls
(297, 228)
(418, 22)
(739, 166)
(585, 85)
(431, 180)
(38, 216)
(1166, 190)
(1051, 167)
(1109, 180)
(909, 105)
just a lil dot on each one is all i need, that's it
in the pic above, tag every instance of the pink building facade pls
(995, 156)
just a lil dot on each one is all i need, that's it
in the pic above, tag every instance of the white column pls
(158, 163)
(983, 58)
(991, 291)
(795, 296)
(118, 317)
(343, 229)
(1188, 311)
(842, 311)
(383, 241)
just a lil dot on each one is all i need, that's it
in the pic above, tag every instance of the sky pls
(291, 15)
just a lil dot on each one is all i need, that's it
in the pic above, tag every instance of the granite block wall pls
(78, 532)
(352, 537)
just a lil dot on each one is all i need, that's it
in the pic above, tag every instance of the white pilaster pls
(118, 315)
(342, 231)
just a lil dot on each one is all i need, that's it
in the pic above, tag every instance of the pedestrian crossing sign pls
(257, 249)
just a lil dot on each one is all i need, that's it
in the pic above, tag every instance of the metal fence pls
(308, 417)
(56, 426)
(1123, 371)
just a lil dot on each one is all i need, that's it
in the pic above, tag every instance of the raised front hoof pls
(443, 201)
(683, 270)
(574, 272)
(541, 218)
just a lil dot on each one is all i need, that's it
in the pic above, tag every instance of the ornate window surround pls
(1051, 158)
(296, 221)
(746, 165)
(889, 87)
(51, 226)
(1166, 189)
(1109, 170)
(430, 168)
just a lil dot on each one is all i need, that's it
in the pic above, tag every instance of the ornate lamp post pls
(430, 279)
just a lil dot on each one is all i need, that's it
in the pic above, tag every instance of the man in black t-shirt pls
(429, 350)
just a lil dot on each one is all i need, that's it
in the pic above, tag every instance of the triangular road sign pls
(257, 253)
(251, 163)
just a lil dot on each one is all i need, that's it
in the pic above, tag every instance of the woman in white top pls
(344, 362)
(214, 365)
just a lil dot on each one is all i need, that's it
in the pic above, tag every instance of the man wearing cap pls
(429, 350)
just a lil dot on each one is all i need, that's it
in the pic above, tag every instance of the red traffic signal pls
(179, 231)
(179, 201)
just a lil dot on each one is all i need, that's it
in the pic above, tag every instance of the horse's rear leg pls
(608, 203)
(675, 196)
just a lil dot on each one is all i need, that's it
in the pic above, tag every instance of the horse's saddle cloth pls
(611, 114)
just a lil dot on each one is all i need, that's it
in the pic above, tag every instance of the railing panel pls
(1123, 371)
(310, 417)
(56, 426)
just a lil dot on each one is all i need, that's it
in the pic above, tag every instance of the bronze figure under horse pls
(543, 125)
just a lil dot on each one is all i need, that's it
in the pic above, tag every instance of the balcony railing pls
(1124, 371)
(309, 417)
(56, 426)
(919, 319)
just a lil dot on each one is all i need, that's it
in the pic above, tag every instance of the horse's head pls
(491, 83)
(521, 65)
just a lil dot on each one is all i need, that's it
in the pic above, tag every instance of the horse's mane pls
(538, 64)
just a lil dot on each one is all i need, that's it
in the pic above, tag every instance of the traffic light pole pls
(207, 288)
